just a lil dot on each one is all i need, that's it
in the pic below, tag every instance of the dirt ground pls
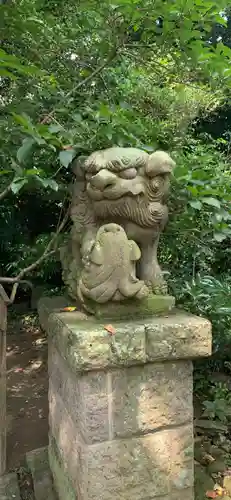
(27, 387)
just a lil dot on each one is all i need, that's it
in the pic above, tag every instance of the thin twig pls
(86, 80)
(47, 253)
(9, 300)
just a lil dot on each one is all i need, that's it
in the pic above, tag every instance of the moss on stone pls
(62, 482)
(134, 309)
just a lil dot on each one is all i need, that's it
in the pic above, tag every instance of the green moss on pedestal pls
(132, 309)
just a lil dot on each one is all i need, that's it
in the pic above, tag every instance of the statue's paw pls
(160, 291)
(143, 292)
(157, 285)
(160, 288)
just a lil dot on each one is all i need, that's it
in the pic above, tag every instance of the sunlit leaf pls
(7, 74)
(25, 149)
(77, 117)
(196, 204)
(48, 183)
(17, 185)
(66, 157)
(213, 202)
(220, 236)
(23, 120)
(54, 128)
(5, 171)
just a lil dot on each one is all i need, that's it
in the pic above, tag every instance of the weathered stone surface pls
(61, 480)
(179, 335)
(146, 467)
(153, 396)
(152, 467)
(87, 346)
(181, 495)
(85, 398)
(94, 386)
(150, 305)
(187, 494)
(9, 489)
(66, 386)
(37, 461)
(65, 433)
(140, 468)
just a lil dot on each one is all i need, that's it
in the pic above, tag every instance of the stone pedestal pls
(121, 413)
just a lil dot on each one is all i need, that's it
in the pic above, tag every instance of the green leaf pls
(25, 149)
(220, 237)
(19, 67)
(109, 135)
(77, 118)
(17, 168)
(66, 157)
(209, 424)
(17, 184)
(39, 140)
(51, 183)
(224, 310)
(147, 148)
(5, 171)
(54, 128)
(33, 171)
(125, 105)
(7, 57)
(23, 120)
(7, 74)
(195, 204)
(104, 111)
(213, 202)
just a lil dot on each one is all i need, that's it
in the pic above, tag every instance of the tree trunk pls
(3, 325)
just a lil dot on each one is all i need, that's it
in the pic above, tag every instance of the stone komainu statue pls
(118, 212)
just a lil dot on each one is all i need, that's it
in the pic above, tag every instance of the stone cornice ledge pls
(87, 346)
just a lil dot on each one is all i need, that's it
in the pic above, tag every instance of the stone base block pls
(61, 480)
(9, 487)
(38, 464)
(121, 414)
(119, 470)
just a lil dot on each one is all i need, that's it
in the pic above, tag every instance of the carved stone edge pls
(87, 345)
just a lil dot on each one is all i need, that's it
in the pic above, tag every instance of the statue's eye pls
(129, 173)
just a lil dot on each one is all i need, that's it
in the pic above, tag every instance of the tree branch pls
(86, 80)
(94, 73)
(15, 281)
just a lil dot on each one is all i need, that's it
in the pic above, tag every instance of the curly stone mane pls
(115, 159)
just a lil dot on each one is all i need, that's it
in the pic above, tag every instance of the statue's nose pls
(103, 179)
